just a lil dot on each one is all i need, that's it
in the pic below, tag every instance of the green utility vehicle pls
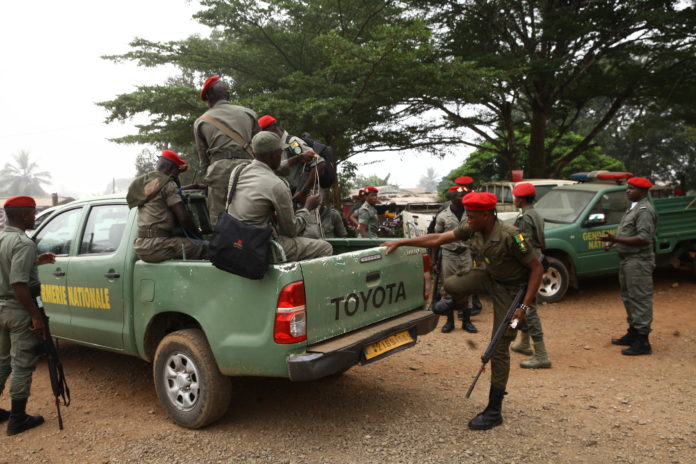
(200, 326)
(576, 216)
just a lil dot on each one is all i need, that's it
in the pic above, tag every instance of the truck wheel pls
(188, 382)
(554, 283)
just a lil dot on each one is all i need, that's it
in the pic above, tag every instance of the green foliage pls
(23, 177)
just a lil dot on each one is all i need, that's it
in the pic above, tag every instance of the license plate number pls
(387, 344)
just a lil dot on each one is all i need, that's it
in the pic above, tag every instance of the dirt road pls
(593, 406)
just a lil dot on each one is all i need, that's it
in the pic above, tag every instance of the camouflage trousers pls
(478, 281)
(299, 248)
(19, 349)
(218, 179)
(453, 263)
(636, 282)
(158, 249)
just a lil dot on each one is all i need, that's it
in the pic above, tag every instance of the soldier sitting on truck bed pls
(263, 199)
(160, 206)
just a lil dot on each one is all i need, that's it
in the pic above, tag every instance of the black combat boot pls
(476, 305)
(492, 415)
(466, 322)
(444, 307)
(626, 340)
(640, 346)
(4, 415)
(20, 421)
(449, 325)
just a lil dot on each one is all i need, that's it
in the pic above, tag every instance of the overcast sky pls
(51, 75)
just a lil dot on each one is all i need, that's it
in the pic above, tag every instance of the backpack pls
(328, 177)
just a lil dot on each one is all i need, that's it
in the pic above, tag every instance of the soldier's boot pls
(476, 305)
(492, 415)
(540, 360)
(640, 346)
(4, 415)
(444, 307)
(523, 346)
(626, 340)
(449, 325)
(466, 322)
(20, 421)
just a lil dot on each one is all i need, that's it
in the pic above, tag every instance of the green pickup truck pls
(200, 326)
(575, 216)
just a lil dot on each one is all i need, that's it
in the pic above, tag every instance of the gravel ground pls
(593, 406)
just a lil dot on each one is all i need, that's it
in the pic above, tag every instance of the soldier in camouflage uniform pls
(531, 224)
(367, 214)
(331, 224)
(511, 262)
(456, 257)
(21, 324)
(217, 152)
(160, 206)
(634, 244)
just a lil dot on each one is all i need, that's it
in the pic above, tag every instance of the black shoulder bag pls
(237, 247)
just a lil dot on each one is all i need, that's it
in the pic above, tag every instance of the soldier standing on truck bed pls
(634, 244)
(511, 262)
(214, 132)
(456, 257)
(263, 199)
(160, 206)
(531, 224)
(21, 324)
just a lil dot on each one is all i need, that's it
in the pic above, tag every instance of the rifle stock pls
(495, 340)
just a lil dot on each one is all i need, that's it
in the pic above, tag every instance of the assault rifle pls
(498, 335)
(60, 388)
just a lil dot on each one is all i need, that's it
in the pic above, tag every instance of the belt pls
(153, 233)
(237, 154)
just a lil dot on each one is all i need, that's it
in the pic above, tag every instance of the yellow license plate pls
(388, 344)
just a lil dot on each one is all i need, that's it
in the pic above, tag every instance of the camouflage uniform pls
(506, 255)
(218, 154)
(19, 348)
(367, 215)
(637, 264)
(456, 256)
(263, 199)
(331, 224)
(156, 241)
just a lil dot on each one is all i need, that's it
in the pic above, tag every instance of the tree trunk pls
(536, 164)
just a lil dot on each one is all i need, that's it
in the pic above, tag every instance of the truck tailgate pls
(353, 290)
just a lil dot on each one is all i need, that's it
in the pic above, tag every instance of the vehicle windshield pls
(563, 206)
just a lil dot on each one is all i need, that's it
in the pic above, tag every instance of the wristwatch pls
(524, 308)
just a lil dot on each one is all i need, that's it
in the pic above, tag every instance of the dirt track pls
(593, 406)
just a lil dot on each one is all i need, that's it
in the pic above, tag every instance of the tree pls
(429, 180)
(23, 177)
(549, 60)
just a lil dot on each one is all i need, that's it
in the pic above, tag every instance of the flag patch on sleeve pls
(521, 243)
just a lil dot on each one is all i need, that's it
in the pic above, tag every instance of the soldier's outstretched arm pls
(425, 241)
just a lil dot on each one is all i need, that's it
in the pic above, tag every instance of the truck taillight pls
(426, 276)
(291, 316)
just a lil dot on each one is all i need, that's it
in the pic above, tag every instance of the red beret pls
(266, 120)
(20, 202)
(361, 192)
(457, 188)
(525, 189)
(208, 84)
(371, 189)
(480, 201)
(640, 182)
(464, 180)
(171, 156)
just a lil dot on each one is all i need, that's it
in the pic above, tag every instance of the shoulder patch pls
(521, 243)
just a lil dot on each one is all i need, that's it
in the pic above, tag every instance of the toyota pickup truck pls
(576, 216)
(200, 326)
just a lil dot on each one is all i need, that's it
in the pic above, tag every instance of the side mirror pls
(596, 219)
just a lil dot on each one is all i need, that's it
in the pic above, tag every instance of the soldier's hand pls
(312, 202)
(517, 318)
(37, 326)
(47, 258)
(607, 237)
(391, 246)
(307, 157)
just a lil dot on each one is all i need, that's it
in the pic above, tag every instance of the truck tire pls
(554, 282)
(187, 380)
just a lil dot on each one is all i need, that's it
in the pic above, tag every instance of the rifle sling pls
(232, 134)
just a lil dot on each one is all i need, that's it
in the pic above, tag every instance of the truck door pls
(591, 256)
(95, 279)
(57, 236)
